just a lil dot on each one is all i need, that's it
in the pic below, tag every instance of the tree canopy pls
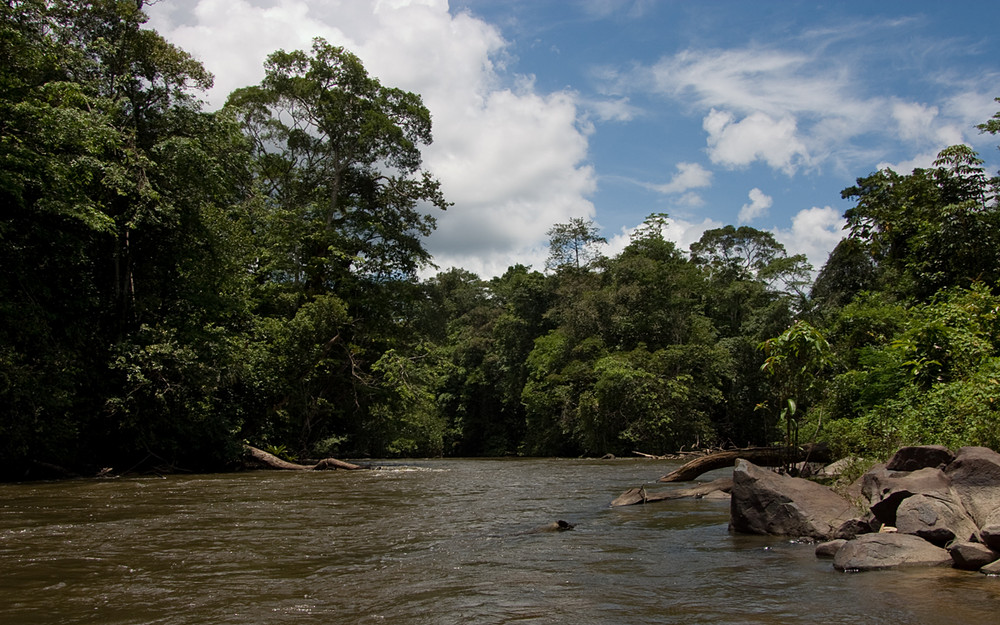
(178, 282)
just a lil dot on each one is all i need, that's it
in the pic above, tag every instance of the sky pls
(714, 112)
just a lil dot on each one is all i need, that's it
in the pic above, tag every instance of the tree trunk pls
(639, 495)
(270, 461)
(761, 456)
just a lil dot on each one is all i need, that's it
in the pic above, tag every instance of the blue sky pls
(715, 112)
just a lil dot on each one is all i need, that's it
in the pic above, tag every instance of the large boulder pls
(886, 489)
(936, 517)
(970, 556)
(882, 551)
(920, 457)
(764, 502)
(975, 476)
(990, 530)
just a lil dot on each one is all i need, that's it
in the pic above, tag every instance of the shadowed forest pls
(176, 282)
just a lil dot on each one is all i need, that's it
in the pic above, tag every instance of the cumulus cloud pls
(756, 98)
(233, 37)
(688, 176)
(921, 124)
(759, 203)
(815, 232)
(682, 232)
(512, 160)
(795, 109)
(756, 137)
(924, 160)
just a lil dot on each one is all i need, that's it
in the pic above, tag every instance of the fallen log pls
(270, 461)
(639, 495)
(761, 456)
(650, 456)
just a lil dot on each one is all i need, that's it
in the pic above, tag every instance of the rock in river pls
(882, 551)
(765, 502)
(969, 556)
(975, 475)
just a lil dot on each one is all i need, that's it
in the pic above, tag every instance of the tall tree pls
(929, 229)
(753, 288)
(341, 213)
(574, 245)
(116, 244)
(339, 165)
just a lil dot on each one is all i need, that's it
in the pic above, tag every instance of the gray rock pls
(883, 551)
(837, 468)
(829, 548)
(991, 569)
(922, 457)
(764, 502)
(886, 489)
(856, 526)
(936, 517)
(990, 531)
(975, 475)
(970, 556)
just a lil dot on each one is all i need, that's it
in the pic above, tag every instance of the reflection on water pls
(437, 541)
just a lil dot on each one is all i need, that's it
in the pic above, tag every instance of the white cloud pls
(921, 125)
(924, 160)
(795, 109)
(759, 203)
(689, 176)
(512, 160)
(970, 108)
(691, 200)
(616, 109)
(915, 120)
(815, 232)
(233, 37)
(750, 79)
(682, 232)
(756, 137)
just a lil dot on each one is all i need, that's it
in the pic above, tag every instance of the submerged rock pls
(555, 526)
(991, 569)
(829, 548)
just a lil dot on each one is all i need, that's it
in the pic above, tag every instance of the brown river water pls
(430, 541)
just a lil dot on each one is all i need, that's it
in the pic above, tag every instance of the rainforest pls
(176, 283)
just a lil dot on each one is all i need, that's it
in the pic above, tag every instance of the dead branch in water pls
(270, 461)
(761, 456)
(639, 495)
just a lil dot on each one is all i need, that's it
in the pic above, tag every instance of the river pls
(429, 542)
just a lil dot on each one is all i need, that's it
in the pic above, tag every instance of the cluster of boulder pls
(927, 506)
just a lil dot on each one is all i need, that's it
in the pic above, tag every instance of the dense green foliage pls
(909, 304)
(176, 282)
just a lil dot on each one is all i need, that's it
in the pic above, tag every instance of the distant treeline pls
(175, 282)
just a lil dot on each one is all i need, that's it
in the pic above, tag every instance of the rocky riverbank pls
(927, 506)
